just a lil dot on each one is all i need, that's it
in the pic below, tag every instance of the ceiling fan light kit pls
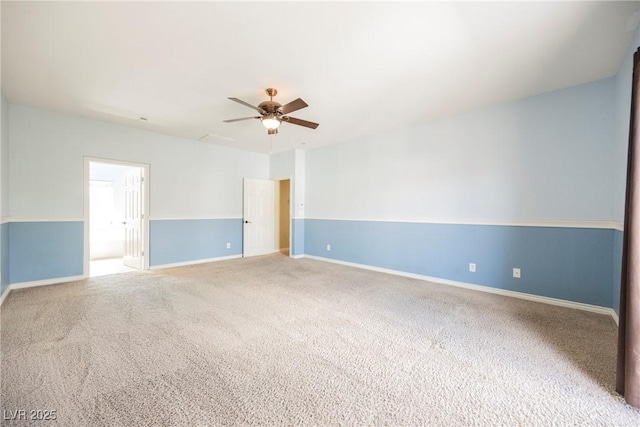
(270, 121)
(273, 113)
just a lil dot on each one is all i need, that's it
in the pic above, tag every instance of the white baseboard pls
(521, 295)
(615, 316)
(74, 278)
(481, 288)
(4, 295)
(35, 283)
(45, 282)
(194, 262)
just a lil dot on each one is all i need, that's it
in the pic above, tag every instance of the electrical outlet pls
(516, 273)
(228, 245)
(472, 267)
(328, 248)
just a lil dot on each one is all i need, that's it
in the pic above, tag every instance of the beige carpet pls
(276, 341)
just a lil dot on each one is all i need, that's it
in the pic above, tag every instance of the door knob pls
(247, 222)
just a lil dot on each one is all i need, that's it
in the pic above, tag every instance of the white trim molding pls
(195, 218)
(45, 282)
(24, 219)
(614, 225)
(194, 262)
(521, 295)
(7, 219)
(505, 223)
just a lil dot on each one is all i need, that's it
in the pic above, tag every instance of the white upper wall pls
(188, 179)
(291, 164)
(282, 165)
(547, 158)
(4, 158)
(299, 184)
(623, 115)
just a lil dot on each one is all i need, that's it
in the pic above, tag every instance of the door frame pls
(290, 208)
(145, 206)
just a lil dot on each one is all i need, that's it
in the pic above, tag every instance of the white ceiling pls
(362, 67)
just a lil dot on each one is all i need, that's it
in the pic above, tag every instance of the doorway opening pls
(283, 216)
(267, 217)
(115, 221)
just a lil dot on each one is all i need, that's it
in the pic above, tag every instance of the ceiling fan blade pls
(239, 101)
(300, 122)
(244, 118)
(294, 105)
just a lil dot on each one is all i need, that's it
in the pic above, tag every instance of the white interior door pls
(133, 215)
(259, 217)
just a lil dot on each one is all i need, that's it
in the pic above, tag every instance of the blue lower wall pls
(617, 269)
(574, 264)
(50, 250)
(174, 241)
(4, 257)
(297, 227)
(44, 250)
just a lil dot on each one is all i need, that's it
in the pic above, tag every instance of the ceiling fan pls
(273, 113)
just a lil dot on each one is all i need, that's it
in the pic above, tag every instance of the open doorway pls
(283, 216)
(115, 224)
